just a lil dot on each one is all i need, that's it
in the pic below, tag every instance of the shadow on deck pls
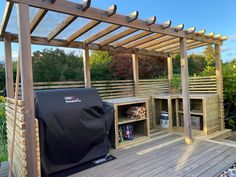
(166, 154)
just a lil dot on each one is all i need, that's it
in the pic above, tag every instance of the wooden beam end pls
(151, 20)
(84, 5)
(166, 24)
(133, 16)
(111, 10)
(179, 28)
(191, 30)
(224, 38)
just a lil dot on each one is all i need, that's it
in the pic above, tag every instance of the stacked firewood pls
(136, 112)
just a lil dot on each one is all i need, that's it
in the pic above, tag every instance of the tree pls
(229, 85)
(100, 62)
(55, 65)
(196, 64)
(209, 54)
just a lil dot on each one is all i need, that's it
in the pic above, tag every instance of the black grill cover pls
(74, 124)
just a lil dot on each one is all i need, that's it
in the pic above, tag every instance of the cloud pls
(77, 52)
(231, 54)
(1, 57)
(226, 49)
(232, 38)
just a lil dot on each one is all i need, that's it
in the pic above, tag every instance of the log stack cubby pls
(140, 126)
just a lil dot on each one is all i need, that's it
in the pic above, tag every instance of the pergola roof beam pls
(133, 38)
(61, 27)
(75, 44)
(6, 16)
(143, 41)
(155, 42)
(102, 33)
(82, 30)
(71, 8)
(37, 19)
(118, 36)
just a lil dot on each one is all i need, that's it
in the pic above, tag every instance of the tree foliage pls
(209, 54)
(196, 64)
(99, 65)
(55, 65)
(229, 75)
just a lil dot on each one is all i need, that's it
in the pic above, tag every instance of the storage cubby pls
(167, 104)
(123, 120)
(196, 106)
(197, 121)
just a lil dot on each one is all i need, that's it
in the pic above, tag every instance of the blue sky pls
(212, 15)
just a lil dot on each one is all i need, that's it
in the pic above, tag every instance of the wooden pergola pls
(141, 37)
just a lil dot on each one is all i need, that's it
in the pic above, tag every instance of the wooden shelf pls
(137, 137)
(193, 113)
(140, 126)
(124, 120)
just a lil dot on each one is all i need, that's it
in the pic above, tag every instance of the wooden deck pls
(166, 154)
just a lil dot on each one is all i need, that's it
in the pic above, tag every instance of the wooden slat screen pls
(154, 86)
(203, 85)
(106, 89)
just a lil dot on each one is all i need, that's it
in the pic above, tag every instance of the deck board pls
(164, 156)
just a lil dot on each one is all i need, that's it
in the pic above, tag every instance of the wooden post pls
(135, 73)
(27, 87)
(8, 66)
(170, 113)
(219, 81)
(170, 69)
(87, 77)
(185, 90)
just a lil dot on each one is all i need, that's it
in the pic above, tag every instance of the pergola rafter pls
(83, 30)
(6, 17)
(37, 19)
(61, 27)
(133, 38)
(156, 42)
(174, 45)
